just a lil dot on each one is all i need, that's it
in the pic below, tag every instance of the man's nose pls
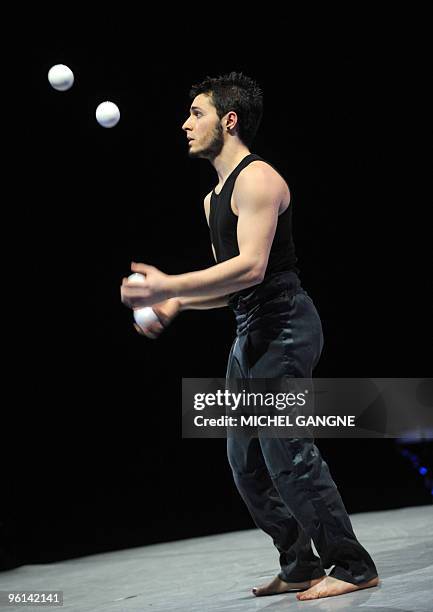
(185, 125)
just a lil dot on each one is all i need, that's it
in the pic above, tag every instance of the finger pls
(149, 334)
(140, 267)
(162, 318)
(136, 291)
(138, 328)
(155, 328)
(146, 332)
(135, 301)
(125, 301)
(157, 325)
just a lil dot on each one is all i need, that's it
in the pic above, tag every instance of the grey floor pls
(216, 573)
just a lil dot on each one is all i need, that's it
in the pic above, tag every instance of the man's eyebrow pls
(195, 108)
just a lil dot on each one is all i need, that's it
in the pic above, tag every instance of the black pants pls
(284, 482)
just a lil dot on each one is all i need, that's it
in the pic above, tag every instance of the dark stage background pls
(96, 460)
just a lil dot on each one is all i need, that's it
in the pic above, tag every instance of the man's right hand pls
(166, 311)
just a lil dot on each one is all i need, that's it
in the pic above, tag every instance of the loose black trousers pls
(284, 482)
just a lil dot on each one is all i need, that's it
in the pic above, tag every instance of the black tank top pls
(223, 225)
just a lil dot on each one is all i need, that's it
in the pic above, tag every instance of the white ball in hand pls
(142, 316)
(145, 317)
(136, 278)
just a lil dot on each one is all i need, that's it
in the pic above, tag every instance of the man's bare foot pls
(277, 586)
(332, 586)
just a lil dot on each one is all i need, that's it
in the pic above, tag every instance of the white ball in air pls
(61, 77)
(107, 114)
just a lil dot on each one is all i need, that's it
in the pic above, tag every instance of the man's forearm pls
(222, 279)
(205, 302)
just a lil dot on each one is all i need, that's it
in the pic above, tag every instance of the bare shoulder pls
(258, 176)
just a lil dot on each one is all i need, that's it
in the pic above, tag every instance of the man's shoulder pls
(259, 170)
(259, 173)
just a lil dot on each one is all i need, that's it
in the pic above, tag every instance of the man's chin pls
(196, 154)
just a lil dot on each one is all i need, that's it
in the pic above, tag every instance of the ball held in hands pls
(145, 317)
(142, 316)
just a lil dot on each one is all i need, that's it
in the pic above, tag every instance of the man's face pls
(203, 129)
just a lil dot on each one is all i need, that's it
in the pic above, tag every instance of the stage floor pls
(216, 573)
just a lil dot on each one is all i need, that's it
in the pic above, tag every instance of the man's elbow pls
(256, 272)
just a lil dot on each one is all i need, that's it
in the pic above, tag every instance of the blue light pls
(423, 470)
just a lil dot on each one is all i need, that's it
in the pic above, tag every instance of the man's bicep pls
(257, 221)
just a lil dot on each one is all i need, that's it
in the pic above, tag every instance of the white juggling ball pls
(142, 316)
(145, 316)
(136, 278)
(107, 114)
(61, 77)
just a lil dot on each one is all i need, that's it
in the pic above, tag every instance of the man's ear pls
(231, 120)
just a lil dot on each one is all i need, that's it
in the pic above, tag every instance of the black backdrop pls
(96, 460)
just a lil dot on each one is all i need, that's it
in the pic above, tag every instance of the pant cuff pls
(309, 573)
(341, 574)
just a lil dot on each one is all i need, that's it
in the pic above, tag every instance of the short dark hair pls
(235, 92)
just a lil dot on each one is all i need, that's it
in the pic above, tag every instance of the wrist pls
(173, 286)
(182, 303)
(176, 303)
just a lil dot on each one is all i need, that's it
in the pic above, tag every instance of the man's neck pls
(227, 161)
